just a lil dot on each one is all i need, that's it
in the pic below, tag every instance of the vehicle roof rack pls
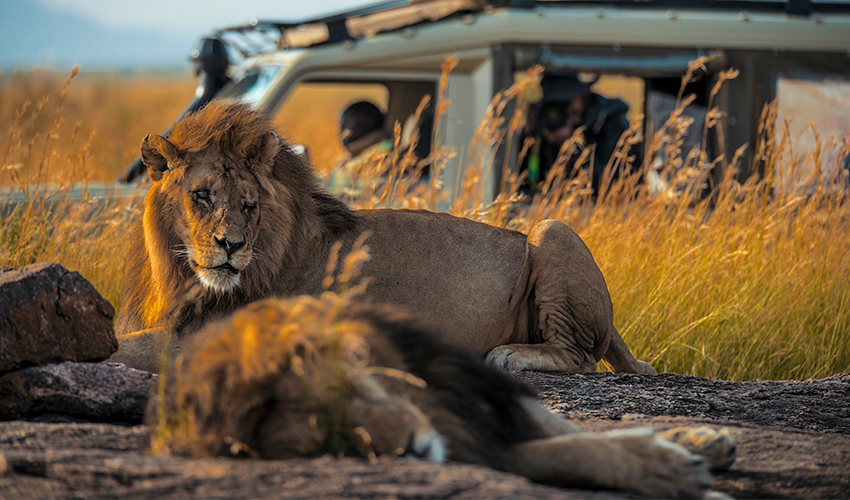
(259, 37)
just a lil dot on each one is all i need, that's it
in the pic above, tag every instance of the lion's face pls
(379, 416)
(291, 377)
(220, 211)
(213, 204)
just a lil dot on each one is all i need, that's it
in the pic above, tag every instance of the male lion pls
(234, 215)
(305, 376)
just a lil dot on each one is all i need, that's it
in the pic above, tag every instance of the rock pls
(819, 405)
(88, 391)
(771, 462)
(777, 456)
(70, 461)
(102, 460)
(49, 314)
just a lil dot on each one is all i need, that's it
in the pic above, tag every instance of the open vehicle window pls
(807, 102)
(310, 116)
(629, 89)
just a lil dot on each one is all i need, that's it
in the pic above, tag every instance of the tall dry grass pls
(50, 139)
(105, 117)
(749, 282)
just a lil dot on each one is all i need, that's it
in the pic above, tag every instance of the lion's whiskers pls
(184, 250)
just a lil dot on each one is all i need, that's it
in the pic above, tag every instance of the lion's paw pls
(540, 357)
(645, 368)
(503, 357)
(718, 448)
(660, 468)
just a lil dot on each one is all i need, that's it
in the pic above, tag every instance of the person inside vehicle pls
(362, 133)
(211, 62)
(362, 129)
(566, 105)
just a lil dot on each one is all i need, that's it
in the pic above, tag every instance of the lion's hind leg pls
(619, 358)
(718, 448)
(636, 460)
(571, 312)
(573, 315)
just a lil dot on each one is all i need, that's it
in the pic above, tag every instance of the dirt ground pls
(793, 441)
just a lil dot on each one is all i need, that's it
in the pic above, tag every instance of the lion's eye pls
(201, 196)
(249, 207)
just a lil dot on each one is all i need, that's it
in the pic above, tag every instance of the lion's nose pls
(229, 246)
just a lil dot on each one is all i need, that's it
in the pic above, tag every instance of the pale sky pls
(197, 16)
(132, 34)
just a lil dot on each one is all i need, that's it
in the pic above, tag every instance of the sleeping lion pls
(234, 215)
(305, 376)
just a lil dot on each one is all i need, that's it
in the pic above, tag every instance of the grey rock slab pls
(818, 405)
(771, 462)
(791, 436)
(49, 314)
(89, 391)
(108, 461)
(87, 461)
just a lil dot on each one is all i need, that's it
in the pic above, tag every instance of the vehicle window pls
(254, 83)
(628, 89)
(603, 104)
(311, 113)
(804, 102)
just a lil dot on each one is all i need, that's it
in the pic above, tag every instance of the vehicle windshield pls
(254, 83)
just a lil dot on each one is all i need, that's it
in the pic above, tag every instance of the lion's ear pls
(270, 148)
(157, 151)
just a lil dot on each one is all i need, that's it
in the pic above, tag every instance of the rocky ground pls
(69, 426)
(793, 437)
(793, 440)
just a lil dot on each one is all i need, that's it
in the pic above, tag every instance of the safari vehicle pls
(636, 50)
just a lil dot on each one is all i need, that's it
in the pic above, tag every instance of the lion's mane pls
(161, 290)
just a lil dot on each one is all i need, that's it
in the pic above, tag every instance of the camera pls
(552, 116)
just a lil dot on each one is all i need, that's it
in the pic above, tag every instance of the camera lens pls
(553, 116)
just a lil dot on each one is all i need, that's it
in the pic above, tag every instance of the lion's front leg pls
(144, 349)
(636, 460)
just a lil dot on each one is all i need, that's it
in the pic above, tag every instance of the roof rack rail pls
(259, 37)
(794, 7)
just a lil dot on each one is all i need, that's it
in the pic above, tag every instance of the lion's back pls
(457, 272)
